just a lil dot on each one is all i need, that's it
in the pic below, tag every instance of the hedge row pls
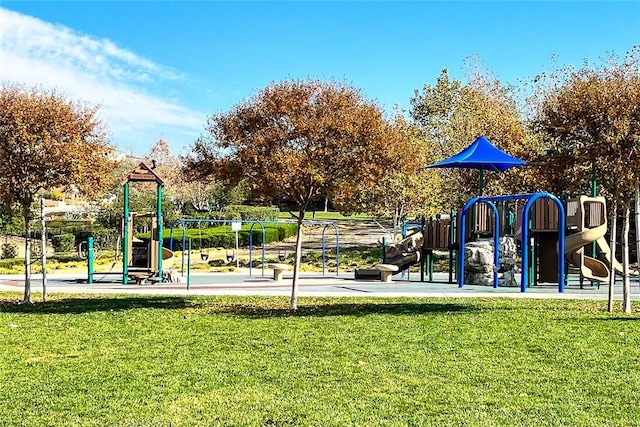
(224, 237)
(10, 263)
(63, 242)
(103, 238)
(257, 213)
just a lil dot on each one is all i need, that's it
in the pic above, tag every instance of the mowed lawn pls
(122, 360)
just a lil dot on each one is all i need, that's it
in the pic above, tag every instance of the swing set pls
(183, 223)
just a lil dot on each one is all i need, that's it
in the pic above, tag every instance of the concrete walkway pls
(310, 284)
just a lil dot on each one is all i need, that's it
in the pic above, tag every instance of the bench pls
(278, 269)
(386, 271)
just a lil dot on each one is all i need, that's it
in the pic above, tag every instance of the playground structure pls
(586, 248)
(583, 227)
(590, 267)
(526, 242)
(141, 260)
(586, 226)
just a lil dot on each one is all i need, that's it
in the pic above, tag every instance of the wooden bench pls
(386, 271)
(278, 269)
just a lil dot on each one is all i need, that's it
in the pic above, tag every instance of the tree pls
(47, 141)
(405, 189)
(590, 119)
(300, 140)
(451, 115)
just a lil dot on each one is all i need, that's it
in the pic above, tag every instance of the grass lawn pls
(121, 360)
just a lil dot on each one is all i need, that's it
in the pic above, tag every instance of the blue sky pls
(159, 69)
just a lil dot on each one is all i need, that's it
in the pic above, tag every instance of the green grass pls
(121, 360)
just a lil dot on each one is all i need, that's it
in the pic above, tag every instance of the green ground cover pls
(122, 360)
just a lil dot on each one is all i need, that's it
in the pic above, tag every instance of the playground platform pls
(314, 285)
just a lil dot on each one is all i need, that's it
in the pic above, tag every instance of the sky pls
(159, 69)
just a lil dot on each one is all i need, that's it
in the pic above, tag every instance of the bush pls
(8, 251)
(36, 249)
(10, 263)
(257, 213)
(105, 238)
(224, 237)
(64, 242)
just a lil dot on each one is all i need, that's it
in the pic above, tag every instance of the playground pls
(512, 331)
(525, 241)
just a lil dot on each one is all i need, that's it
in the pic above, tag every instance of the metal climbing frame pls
(531, 198)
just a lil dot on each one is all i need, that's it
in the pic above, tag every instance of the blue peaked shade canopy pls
(481, 154)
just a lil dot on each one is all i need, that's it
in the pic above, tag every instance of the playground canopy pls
(483, 155)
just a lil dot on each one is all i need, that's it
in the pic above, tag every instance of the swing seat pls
(278, 269)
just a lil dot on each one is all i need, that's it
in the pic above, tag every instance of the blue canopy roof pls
(481, 154)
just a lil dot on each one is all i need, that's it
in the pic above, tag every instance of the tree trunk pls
(43, 240)
(296, 266)
(27, 261)
(612, 244)
(626, 282)
(638, 228)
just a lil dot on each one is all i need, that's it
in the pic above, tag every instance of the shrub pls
(105, 238)
(257, 213)
(224, 237)
(10, 263)
(36, 249)
(8, 251)
(63, 242)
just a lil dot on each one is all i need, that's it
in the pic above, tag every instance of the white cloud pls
(35, 52)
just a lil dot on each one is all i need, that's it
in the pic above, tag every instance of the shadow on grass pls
(346, 309)
(262, 308)
(89, 305)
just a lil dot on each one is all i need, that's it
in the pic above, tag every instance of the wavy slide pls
(590, 268)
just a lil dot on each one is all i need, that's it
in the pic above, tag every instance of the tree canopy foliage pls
(589, 121)
(300, 140)
(48, 141)
(451, 115)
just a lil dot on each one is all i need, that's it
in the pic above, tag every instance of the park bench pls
(278, 269)
(386, 271)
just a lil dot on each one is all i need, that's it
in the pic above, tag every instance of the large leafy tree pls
(405, 189)
(299, 140)
(590, 120)
(47, 141)
(452, 114)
